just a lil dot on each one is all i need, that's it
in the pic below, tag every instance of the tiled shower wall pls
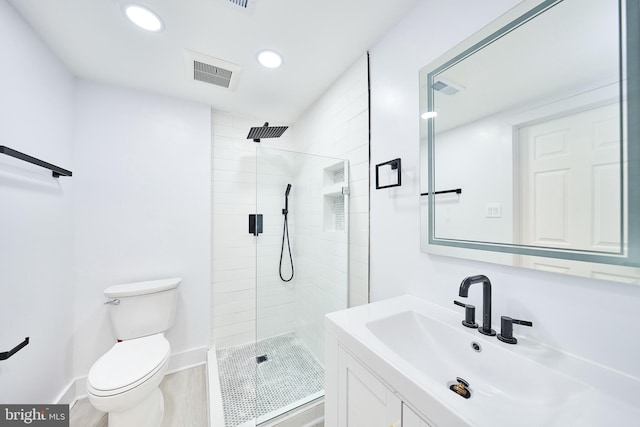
(233, 248)
(321, 244)
(276, 299)
(335, 126)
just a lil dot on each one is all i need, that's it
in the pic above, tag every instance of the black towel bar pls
(7, 354)
(455, 190)
(56, 171)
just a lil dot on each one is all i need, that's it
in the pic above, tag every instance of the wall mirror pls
(534, 122)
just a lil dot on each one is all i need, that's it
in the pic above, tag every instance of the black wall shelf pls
(56, 171)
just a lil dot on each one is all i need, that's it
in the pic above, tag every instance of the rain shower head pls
(286, 193)
(266, 131)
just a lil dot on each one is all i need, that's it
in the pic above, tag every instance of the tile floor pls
(290, 374)
(185, 400)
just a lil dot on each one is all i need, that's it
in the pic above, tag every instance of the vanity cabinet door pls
(363, 400)
(411, 419)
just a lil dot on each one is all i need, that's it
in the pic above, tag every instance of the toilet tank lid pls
(141, 288)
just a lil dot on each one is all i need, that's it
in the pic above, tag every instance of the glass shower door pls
(301, 273)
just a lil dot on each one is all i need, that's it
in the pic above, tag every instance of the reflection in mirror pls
(531, 122)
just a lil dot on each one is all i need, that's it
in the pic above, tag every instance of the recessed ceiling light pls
(429, 115)
(143, 17)
(269, 59)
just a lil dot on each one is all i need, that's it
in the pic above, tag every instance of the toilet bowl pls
(127, 375)
(124, 381)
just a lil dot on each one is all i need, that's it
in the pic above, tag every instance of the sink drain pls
(461, 388)
(476, 347)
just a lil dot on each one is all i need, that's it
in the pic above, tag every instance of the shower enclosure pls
(294, 290)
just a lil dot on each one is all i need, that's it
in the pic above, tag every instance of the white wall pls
(36, 258)
(586, 317)
(142, 204)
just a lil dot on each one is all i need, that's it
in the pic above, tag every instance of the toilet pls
(124, 381)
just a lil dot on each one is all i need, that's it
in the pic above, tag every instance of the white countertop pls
(595, 395)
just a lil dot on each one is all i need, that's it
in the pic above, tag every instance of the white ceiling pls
(319, 40)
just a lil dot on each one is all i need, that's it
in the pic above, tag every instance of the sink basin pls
(499, 380)
(418, 349)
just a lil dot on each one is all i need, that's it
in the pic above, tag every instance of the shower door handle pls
(255, 224)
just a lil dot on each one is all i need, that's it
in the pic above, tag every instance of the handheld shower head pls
(285, 211)
(285, 234)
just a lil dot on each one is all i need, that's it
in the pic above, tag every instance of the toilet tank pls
(145, 308)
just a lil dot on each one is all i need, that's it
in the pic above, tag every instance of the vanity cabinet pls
(365, 401)
(411, 419)
(362, 400)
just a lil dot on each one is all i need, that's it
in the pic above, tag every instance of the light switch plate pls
(494, 210)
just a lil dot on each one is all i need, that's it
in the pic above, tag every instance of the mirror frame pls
(629, 36)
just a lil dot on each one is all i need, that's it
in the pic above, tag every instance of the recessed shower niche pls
(335, 187)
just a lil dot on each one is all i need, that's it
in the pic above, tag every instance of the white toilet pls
(124, 381)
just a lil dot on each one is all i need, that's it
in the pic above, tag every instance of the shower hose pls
(285, 232)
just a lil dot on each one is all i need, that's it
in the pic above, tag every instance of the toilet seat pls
(127, 365)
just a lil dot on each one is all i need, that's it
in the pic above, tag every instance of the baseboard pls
(77, 389)
(187, 359)
(68, 396)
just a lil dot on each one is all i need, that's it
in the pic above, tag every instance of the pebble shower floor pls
(290, 373)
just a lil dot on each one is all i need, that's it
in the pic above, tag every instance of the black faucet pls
(486, 300)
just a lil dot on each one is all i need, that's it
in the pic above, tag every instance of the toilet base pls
(147, 413)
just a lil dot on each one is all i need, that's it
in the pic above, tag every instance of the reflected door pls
(569, 186)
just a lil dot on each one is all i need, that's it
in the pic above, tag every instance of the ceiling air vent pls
(210, 70)
(211, 74)
(446, 87)
(245, 5)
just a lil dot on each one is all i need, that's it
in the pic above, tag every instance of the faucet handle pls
(506, 329)
(469, 314)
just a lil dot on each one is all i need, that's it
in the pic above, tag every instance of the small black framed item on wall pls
(388, 174)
